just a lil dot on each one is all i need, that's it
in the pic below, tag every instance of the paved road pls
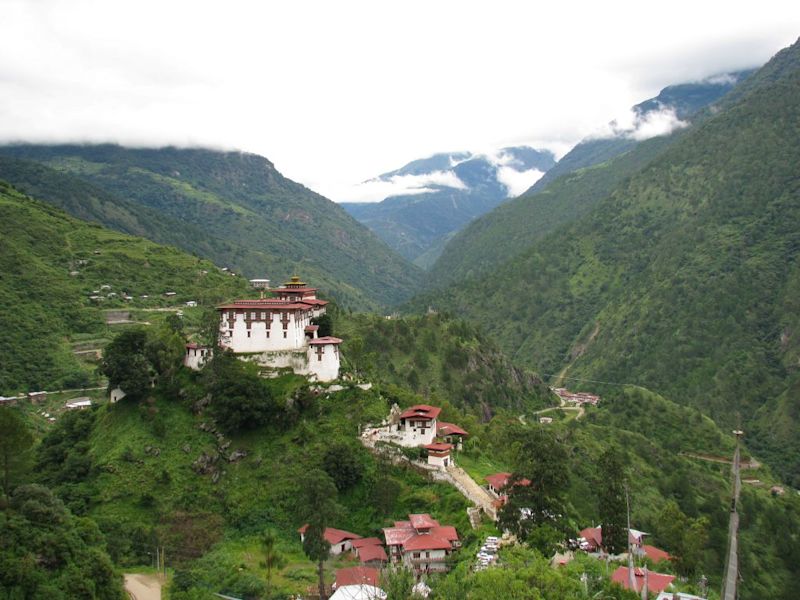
(477, 494)
(142, 587)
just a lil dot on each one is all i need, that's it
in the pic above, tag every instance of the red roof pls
(593, 535)
(439, 447)
(333, 536)
(449, 429)
(498, 480)
(655, 554)
(406, 524)
(368, 553)
(312, 327)
(370, 541)
(261, 304)
(421, 410)
(446, 532)
(396, 536)
(426, 541)
(328, 339)
(194, 346)
(422, 521)
(656, 582)
(357, 576)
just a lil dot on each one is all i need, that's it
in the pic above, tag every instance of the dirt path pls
(142, 587)
(752, 464)
(474, 492)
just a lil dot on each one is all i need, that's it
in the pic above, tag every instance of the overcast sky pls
(338, 92)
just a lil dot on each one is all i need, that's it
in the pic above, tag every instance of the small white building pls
(78, 404)
(116, 394)
(439, 454)
(196, 356)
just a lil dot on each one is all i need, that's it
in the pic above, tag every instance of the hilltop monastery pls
(277, 332)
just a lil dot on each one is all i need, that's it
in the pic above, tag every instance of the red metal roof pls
(424, 411)
(396, 536)
(368, 553)
(260, 304)
(328, 339)
(312, 327)
(443, 428)
(332, 535)
(439, 447)
(406, 524)
(370, 541)
(422, 521)
(357, 576)
(293, 290)
(656, 582)
(447, 532)
(498, 480)
(426, 541)
(655, 554)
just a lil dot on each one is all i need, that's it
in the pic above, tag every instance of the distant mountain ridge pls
(583, 177)
(231, 207)
(445, 192)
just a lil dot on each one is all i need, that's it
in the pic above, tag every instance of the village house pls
(79, 404)
(340, 540)
(421, 543)
(196, 355)
(450, 433)
(579, 398)
(439, 454)
(497, 484)
(591, 539)
(277, 332)
(416, 426)
(370, 552)
(655, 582)
(357, 576)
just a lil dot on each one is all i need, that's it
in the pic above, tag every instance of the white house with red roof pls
(421, 543)
(277, 332)
(416, 425)
(339, 539)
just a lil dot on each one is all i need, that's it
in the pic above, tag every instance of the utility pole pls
(631, 573)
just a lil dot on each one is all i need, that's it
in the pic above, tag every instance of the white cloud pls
(632, 125)
(374, 190)
(334, 93)
(517, 182)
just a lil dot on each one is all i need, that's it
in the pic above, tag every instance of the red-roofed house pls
(439, 454)
(451, 433)
(593, 539)
(416, 425)
(340, 540)
(656, 582)
(357, 576)
(497, 482)
(421, 543)
(277, 332)
(654, 554)
(373, 555)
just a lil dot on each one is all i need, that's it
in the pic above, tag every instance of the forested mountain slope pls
(684, 279)
(569, 190)
(230, 207)
(51, 263)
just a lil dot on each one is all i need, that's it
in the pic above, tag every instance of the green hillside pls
(571, 189)
(230, 207)
(160, 473)
(511, 228)
(440, 358)
(683, 280)
(51, 263)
